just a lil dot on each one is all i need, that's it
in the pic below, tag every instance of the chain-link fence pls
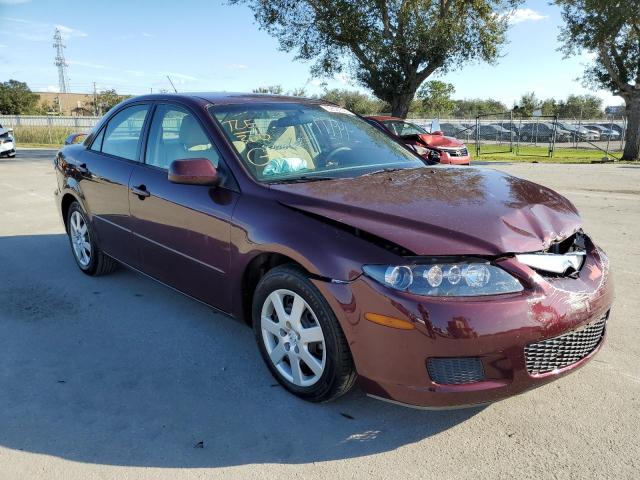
(507, 132)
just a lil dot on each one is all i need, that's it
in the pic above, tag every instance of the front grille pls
(459, 152)
(455, 370)
(564, 350)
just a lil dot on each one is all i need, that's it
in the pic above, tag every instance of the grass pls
(41, 136)
(540, 154)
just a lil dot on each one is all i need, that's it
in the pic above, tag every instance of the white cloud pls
(68, 32)
(52, 88)
(2, 45)
(148, 35)
(520, 15)
(36, 31)
(236, 66)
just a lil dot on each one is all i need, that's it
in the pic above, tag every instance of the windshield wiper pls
(383, 170)
(302, 179)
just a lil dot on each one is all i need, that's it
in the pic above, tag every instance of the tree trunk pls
(400, 104)
(632, 137)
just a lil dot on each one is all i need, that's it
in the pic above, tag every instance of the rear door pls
(105, 168)
(182, 231)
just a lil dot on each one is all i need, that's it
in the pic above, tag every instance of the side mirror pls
(193, 171)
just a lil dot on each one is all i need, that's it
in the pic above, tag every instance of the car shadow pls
(120, 370)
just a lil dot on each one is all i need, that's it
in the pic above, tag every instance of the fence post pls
(49, 129)
(606, 153)
(477, 135)
(552, 147)
(511, 127)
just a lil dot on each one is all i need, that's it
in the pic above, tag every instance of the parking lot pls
(118, 376)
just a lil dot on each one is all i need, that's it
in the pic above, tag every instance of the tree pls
(106, 100)
(436, 97)
(271, 89)
(390, 46)
(16, 98)
(580, 106)
(610, 30)
(298, 92)
(528, 104)
(467, 108)
(355, 101)
(549, 107)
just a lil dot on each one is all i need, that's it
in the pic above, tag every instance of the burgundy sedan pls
(348, 255)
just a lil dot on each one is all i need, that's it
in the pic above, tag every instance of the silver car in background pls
(7, 142)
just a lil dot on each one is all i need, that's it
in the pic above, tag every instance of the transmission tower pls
(60, 62)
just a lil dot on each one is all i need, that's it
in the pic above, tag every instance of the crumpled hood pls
(442, 210)
(441, 141)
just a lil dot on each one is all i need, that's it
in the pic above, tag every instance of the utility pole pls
(95, 100)
(61, 63)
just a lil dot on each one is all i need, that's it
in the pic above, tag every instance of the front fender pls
(324, 249)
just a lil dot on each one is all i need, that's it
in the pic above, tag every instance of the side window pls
(122, 135)
(97, 141)
(176, 135)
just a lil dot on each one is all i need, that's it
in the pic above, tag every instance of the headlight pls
(421, 150)
(440, 279)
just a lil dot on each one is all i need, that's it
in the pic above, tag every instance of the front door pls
(182, 231)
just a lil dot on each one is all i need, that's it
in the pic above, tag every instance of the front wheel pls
(299, 337)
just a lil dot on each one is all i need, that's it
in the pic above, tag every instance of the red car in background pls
(433, 146)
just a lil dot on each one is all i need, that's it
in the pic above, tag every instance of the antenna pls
(174, 87)
(61, 63)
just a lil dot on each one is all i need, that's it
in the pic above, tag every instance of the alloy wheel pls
(293, 338)
(80, 241)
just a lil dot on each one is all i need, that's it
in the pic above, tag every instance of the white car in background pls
(7, 142)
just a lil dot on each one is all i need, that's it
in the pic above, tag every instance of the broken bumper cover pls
(489, 336)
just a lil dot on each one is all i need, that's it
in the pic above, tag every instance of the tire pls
(325, 368)
(88, 256)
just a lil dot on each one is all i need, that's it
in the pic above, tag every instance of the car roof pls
(226, 98)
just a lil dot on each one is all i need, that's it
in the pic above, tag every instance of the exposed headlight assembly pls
(446, 279)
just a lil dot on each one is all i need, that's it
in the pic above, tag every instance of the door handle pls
(141, 191)
(79, 168)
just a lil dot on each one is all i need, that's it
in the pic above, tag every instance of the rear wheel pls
(299, 337)
(88, 256)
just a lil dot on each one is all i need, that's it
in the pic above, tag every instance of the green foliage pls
(389, 46)
(528, 104)
(354, 101)
(580, 106)
(469, 108)
(106, 100)
(298, 92)
(436, 99)
(16, 98)
(271, 89)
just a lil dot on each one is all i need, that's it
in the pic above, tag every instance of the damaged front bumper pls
(468, 351)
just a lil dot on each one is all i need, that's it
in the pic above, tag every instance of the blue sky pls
(208, 45)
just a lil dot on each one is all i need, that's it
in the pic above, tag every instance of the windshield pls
(279, 142)
(404, 128)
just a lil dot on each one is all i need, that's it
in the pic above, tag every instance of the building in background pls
(74, 104)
